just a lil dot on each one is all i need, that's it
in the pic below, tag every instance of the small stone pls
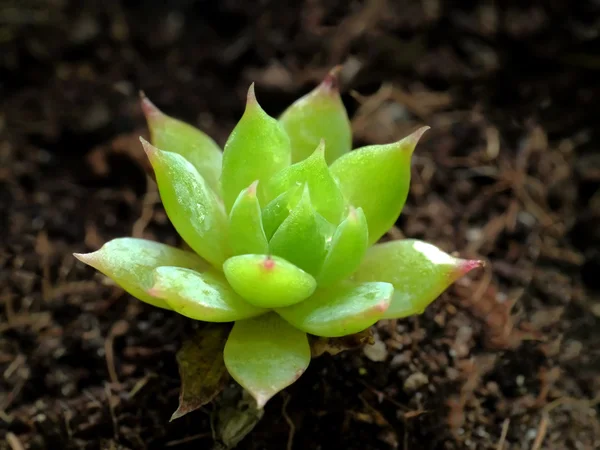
(415, 381)
(376, 352)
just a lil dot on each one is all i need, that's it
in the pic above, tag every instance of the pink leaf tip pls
(148, 108)
(150, 149)
(331, 82)
(251, 96)
(415, 137)
(467, 265)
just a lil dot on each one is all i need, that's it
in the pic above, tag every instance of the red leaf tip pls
(269, 263)
(252, 188)
(469, 264)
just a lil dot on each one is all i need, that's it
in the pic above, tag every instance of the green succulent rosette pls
(283, 225)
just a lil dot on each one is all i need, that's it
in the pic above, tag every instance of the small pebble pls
(415, 381)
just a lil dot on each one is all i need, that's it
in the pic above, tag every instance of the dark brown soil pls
(509, 172)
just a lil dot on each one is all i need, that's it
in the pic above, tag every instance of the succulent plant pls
(283, 224)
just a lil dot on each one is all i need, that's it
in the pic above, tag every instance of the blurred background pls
(507, 359)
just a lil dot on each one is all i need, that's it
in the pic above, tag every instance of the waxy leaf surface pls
(376, 178)
(192, 207)
(173, 135)
(257, 148)
(343, 309)
(298, 239)
(246, 233)
(419, 271)
(319, 115)
(268, 281)
(325, 194)
(130, 262)
(347, 248)
(200, 296)
(265, 355)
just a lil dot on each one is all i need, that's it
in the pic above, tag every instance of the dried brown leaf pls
(201, 367)
(333, 346)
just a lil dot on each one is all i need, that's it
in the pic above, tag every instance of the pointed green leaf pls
(313, 171)
(193, 208)
(246, 233)
(266, 355)
(298, 239)
(419, 271)
(201, 368)
(257, 149)
(376, 178)
(319, 115)
(200, 296)
(130, 263)
(268, 281)
(279, 209)
(347, 248)
(343, 309)
(173, 135)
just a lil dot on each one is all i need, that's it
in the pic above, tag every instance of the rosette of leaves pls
(283, 224)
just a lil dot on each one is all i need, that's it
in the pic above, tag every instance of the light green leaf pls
(347, 248)
(279, 209)
(130, 263)
(257, 149)
(319, 115)
(193, 208)
(419, 271)
(200, 296)
(246, 233)
(268, 281)
(326, 196)
(265, 355)
(173, 135)
(339, 310)
(298, 239)
(376, 178)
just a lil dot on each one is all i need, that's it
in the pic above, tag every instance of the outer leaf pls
(319, 115)
(176, 136)
(313, 171)
(201, 368)
(347, 248)
(130, 263)
(279, 209)
(340, 310)
(257, 148)
(265, 355)
(268, 281)
(376, 178)
(298, 239)
(200, 296)
(419, 271)
(246, 233)
(191, 205)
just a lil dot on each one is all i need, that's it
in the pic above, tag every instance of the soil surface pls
(509, 172)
